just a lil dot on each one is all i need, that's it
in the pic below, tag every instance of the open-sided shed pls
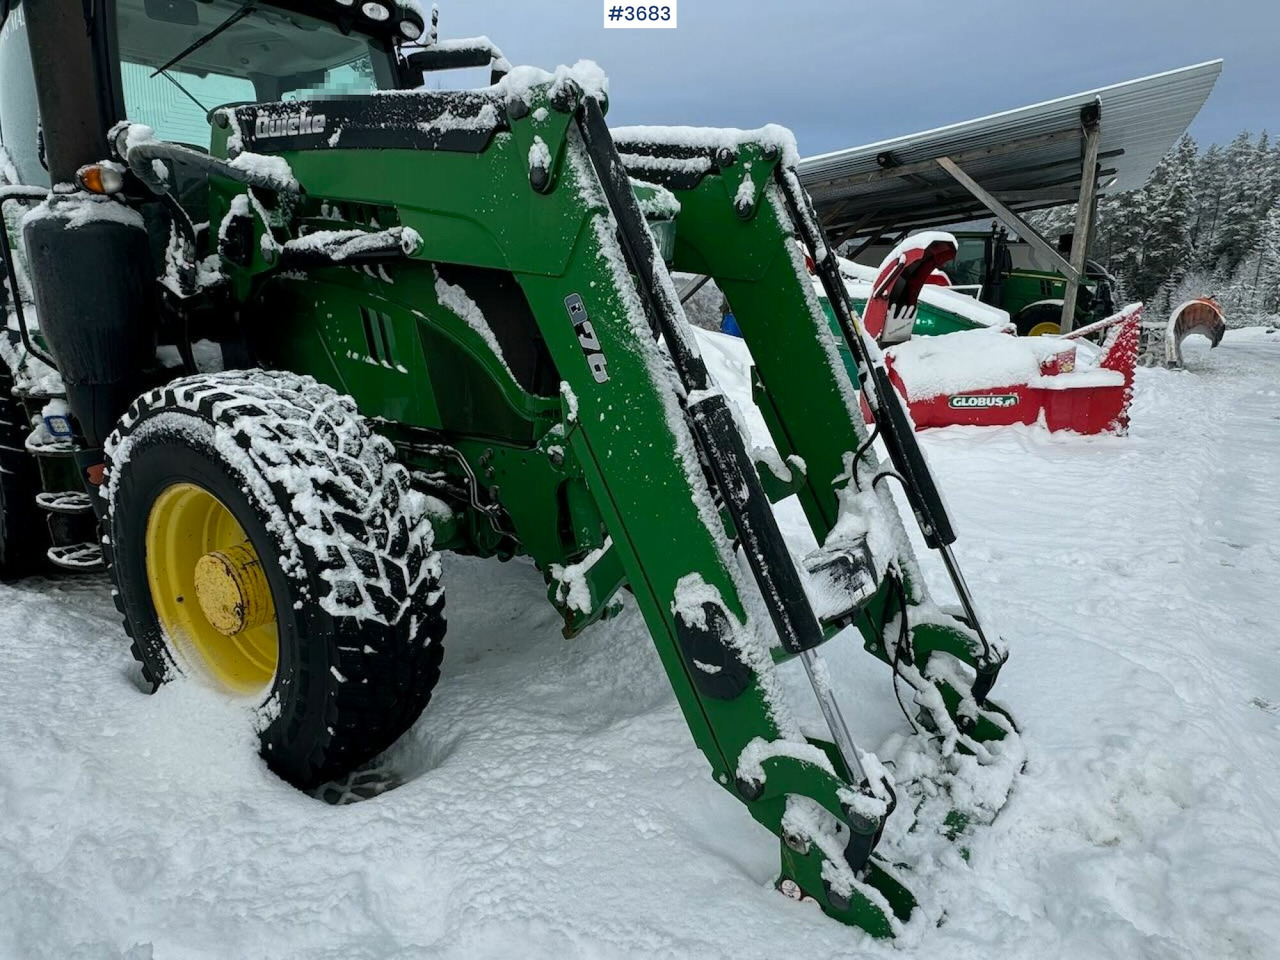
(1075, 148)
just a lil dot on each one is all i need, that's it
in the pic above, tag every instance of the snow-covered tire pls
(346, 548)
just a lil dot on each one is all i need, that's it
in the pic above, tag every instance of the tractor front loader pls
(400, 322)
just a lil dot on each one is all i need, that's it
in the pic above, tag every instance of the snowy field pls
(552, 803)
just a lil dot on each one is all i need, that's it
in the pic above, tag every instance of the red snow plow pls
(989, 377)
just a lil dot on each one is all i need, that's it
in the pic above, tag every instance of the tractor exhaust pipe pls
(76, 105)
(90, 261)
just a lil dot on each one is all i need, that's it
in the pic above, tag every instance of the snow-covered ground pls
(552, 802)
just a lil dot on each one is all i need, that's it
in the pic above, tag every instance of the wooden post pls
(1091, 121)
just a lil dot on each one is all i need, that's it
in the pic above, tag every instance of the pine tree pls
(1210, 185)
(1126, 215)
(1238, 232)
(1166, 212)
(1268, 276)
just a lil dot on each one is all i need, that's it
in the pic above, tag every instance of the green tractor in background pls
(1008, 274)
(272, 364)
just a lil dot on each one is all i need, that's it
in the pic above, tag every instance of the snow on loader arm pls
(451, 325)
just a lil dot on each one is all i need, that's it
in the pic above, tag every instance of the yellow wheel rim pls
(1046, 328)
(210, 591)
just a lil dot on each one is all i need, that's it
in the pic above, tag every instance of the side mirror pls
(184, 12)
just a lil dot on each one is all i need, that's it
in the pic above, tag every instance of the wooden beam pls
(1056, 194)
(847, 232)
(1010, 219)
(1085, 209)
(870, 242)
(939, 208)
(693, 286)
(933, 213)
(829, 217)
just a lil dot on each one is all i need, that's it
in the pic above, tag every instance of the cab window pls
(270, 54)
(970, 265)
(176, 104)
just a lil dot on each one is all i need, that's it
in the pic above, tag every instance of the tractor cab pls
(175, 63)
(169, 63)
(166, 69)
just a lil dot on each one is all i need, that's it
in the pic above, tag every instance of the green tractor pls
(1008, 274)
(284, 326)
(1011, 275)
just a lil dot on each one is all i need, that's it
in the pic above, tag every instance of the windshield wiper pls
(244, 11)
(189, 94)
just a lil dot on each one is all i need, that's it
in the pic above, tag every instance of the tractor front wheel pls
(263, 540)
(1040, 320)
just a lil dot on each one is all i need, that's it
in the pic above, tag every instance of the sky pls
(843, 73)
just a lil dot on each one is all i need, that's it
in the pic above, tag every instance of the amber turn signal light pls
(101, 178)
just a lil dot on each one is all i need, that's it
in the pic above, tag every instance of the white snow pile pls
(498, 62)
(571, 581)
(340, 245)
(81, 209)
(969, 360)
(453, 297)
(539, 155)
(964, 361)
(587, 75)
(484, 119)
(707, 139)
(551, 804)
(656, 201)
(274, 171)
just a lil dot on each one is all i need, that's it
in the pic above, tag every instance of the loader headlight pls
(411, 29)
(376, 11)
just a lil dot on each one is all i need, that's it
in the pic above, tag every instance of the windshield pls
(270, 54)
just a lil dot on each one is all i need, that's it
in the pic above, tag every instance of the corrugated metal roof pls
(1029, 157)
